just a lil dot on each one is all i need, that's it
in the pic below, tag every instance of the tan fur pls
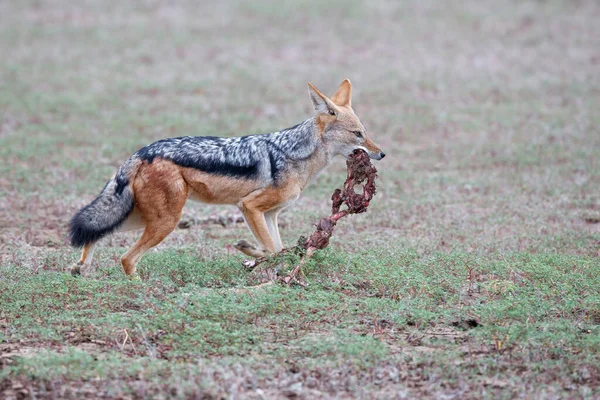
(84, 254)
(371, 146)
(343, 96)
(160, 194)
(215, 189)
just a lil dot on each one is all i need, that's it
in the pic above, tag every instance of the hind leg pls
(154, 233)
(87, 255)
(160, 194)
(133, 222)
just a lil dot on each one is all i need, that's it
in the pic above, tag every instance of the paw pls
(134, 277)
(242, 245)
(249, 249)
(76, 269)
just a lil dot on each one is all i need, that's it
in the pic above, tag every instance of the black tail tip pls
(79, 233)
(77, 236)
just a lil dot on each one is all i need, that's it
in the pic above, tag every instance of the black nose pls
(382, 154)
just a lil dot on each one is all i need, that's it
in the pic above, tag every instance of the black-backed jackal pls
(260, 174)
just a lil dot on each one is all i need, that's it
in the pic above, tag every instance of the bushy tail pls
(109, 210)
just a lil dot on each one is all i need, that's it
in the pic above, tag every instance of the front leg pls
(271, 218)
(258, 226)
(249, 249)
(260, 209)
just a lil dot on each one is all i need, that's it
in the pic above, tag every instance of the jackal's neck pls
(305, 142)
(324, 151)
(297, 142)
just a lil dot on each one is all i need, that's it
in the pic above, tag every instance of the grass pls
(474, 274)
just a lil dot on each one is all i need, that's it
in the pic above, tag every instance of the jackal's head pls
(341, 130)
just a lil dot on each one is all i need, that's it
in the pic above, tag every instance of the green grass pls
(537, 316)
(474, 274)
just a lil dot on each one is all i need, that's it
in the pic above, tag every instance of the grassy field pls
(474, 274)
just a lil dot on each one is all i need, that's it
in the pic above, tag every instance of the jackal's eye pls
(331, 112)
(357, 133)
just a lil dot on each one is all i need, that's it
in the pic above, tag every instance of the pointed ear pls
(320, 102)
(343, 96)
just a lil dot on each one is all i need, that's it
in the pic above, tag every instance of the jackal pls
(260, 174)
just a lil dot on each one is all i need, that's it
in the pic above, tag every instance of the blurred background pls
(488, 110)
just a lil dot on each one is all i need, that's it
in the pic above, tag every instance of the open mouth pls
(372, 155)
